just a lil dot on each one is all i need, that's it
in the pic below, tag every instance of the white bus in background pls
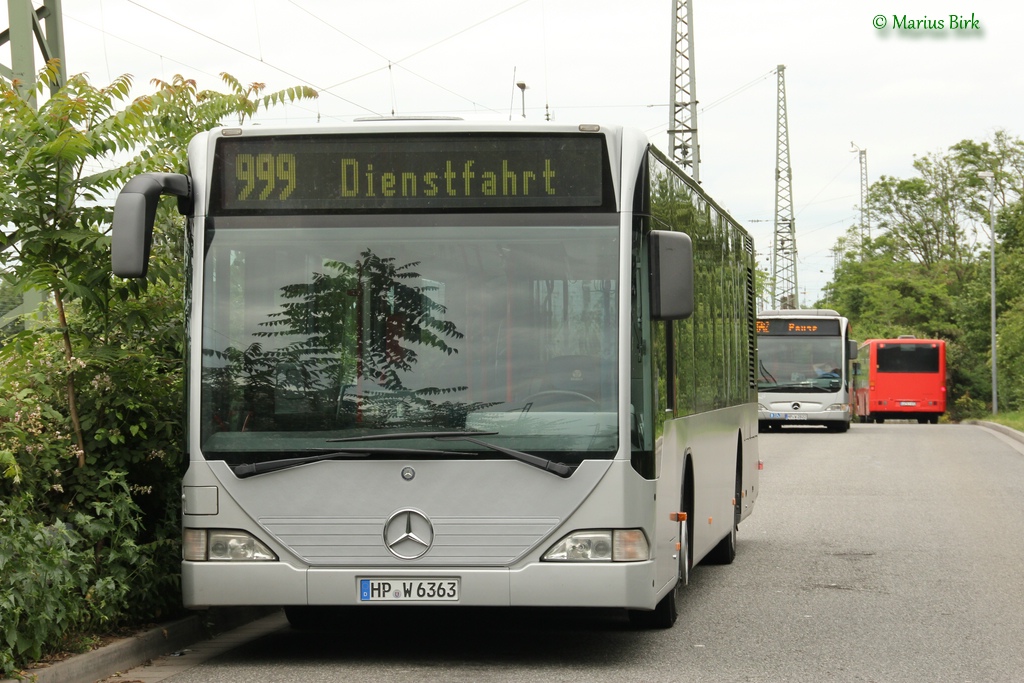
(435, 362)
(804, 378)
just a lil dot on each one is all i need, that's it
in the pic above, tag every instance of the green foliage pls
(66, 578)
(91, 431)
(928, 271)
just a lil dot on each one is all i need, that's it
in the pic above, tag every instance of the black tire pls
(725, 551)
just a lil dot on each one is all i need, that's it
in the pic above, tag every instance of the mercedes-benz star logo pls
(796, 406)
(408, 534)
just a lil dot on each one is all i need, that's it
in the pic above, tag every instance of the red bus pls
(900, 379)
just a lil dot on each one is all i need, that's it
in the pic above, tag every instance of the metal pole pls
(992, 269)
(992, 282)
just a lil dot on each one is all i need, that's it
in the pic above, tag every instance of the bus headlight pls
(840, 407)
(601, 545)
(223, 545)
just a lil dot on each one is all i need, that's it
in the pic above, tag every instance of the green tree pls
(92, 435)
(50, 192)
(927, 271)
(926, 219)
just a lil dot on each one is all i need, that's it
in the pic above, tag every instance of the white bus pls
(804, 369)
(435, 362)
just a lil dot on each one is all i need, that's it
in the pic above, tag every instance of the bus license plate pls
(408, 590)
(910, 404)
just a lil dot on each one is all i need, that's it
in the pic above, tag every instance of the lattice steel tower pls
(784, 287)
(682, 126)
(29, 29)
(865, 223)
(42, 28)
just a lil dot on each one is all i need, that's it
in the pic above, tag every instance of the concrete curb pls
(1002, 429)
(136, 650)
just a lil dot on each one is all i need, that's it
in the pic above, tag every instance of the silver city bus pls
(804, 369)
(436, 362)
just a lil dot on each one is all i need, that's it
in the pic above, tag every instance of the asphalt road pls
(890, 553)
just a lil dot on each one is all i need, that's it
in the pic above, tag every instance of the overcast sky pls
(895, 92)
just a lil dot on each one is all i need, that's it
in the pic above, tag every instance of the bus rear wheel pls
(725, 551)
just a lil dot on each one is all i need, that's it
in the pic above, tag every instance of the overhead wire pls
(258, 59)
(391, 63)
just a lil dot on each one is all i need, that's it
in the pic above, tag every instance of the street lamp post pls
(522, 87)
(992, 275)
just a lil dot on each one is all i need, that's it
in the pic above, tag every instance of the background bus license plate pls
(908, 403)
(412, 590)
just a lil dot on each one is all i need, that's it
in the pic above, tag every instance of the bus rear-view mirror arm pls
(134, 213)
(671, 272)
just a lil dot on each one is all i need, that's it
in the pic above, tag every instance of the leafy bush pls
(65, 579)
(88, 548)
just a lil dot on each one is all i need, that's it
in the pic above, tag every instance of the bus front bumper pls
(540, 584)
(796, 413)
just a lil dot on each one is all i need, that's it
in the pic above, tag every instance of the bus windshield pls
(811, 364)
(314, 331)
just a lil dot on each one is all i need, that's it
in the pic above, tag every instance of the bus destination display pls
(370, 173)
(798, 327)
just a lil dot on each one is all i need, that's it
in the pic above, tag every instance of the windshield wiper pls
(250, 469)
(545, 464)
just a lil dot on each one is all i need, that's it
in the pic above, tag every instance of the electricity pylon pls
(865, 224)
(784, 286)
(31, 28)
(682, 126)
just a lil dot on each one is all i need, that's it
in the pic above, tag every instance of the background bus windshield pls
(788, 363)
(313, 333)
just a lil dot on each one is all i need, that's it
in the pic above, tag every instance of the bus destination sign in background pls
(377, 173)
(798, 327)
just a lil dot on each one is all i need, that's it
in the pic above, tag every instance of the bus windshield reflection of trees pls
(507, 329)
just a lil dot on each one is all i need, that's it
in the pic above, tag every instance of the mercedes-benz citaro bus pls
(804, 369)
(451, 363)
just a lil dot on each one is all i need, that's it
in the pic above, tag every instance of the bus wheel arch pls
(666, 612)
(686, 504)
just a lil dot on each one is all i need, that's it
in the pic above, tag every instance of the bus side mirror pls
(671, 271)
(134, 213)
(851, 348)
